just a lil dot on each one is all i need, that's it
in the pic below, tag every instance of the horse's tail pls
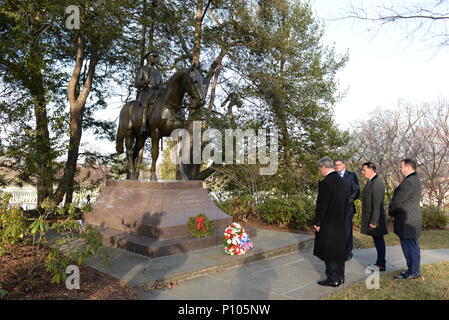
(120, 137)
(119, 141)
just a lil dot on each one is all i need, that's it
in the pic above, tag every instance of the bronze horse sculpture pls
(162, 119)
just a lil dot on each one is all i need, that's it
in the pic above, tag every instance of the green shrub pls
(74, 243)
(13, 224)
(224, 205)
(297, 210)
(2, 293)
(357, 220)
(240, 206)
(434, 217)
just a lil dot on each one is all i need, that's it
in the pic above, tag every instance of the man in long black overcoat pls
(329, 223)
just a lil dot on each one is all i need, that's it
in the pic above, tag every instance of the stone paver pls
(142, 271)
(291, 276)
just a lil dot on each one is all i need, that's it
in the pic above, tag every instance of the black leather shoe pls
(406, 276)
(381, 268)
(329, 283)
(349, 257)
(410, 276)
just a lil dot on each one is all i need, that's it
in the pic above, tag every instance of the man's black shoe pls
(381, 268)
(329, 283)
(349, 257)
(410, 276)
(406, 276)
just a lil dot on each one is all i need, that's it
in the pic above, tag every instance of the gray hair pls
(326, 162)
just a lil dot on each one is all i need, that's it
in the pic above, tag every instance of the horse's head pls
(195, 87)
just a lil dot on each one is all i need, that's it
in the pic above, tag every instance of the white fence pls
(26, 197)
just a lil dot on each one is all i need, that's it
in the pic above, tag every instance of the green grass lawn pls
(430, 239)
(433, 285)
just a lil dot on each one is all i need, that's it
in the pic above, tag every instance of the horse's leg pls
(154, 153)
(182, 170)
(134, 159)
(119, 140)
(138, 153)
(130, 142)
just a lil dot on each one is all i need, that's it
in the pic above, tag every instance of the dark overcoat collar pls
(411, 174)
(333, 172)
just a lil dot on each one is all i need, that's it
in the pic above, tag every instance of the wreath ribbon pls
(200, 225)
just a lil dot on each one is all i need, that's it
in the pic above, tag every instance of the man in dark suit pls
(405, 209)
(329, 223)
(351, 180)
(374, 222)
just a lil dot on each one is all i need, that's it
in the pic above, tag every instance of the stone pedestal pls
(151, 218)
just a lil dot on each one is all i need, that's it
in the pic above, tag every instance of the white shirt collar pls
(373, 177)
(342, 172)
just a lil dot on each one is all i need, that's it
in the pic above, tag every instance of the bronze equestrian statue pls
(164, 117)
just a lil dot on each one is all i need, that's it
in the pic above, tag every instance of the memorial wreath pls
(201, 226)
(236, 240)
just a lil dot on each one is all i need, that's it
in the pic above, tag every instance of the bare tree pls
(419, 132)
(425, 20)
(433, 136)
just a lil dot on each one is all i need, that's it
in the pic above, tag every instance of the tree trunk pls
(44, 183)
(76, 120)
(143, 34)
(43, 152)
(77, 101)
(153, 8)
(197, 41)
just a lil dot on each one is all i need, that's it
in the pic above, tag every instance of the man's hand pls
(317, 228)
(373, 226)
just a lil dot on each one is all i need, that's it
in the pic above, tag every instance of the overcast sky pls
(383, 67)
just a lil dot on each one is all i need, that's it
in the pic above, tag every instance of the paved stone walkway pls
(290, 276)
(140, 271)
(281, 266)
